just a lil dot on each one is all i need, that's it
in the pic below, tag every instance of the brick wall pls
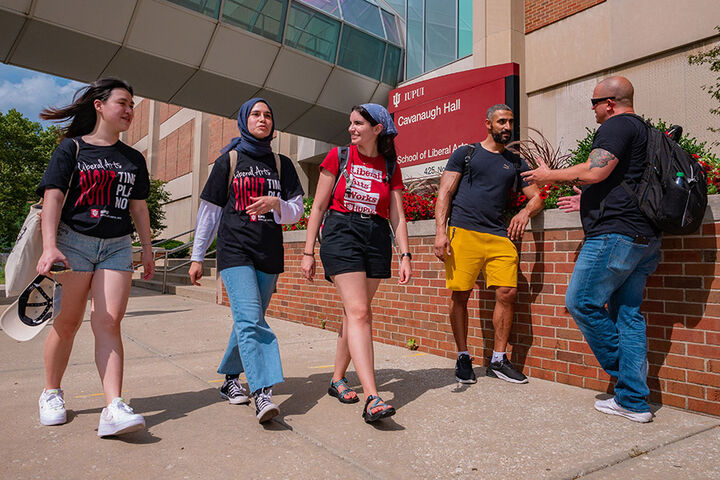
(222, 130)
(539, 13)
(682, 307)
(174, 157)
(140, 125)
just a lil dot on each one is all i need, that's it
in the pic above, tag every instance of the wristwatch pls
(406, 254)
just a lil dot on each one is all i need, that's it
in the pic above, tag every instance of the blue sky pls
(29, 92)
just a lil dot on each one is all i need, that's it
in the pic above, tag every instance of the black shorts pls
(354, 242)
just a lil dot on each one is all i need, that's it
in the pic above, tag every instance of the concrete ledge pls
(553, 219)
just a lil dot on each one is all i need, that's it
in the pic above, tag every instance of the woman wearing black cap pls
(248, 201)
(356, 250)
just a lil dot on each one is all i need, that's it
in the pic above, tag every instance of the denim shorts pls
(89, 254)
(354, 242)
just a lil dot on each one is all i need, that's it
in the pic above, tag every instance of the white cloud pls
(33, 93)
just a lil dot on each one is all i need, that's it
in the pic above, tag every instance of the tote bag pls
(21, 265)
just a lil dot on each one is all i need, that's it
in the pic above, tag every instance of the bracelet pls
(406, 254)
(309, 254)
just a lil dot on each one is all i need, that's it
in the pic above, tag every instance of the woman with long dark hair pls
(356, 250)
(93, 186)
(249, 193)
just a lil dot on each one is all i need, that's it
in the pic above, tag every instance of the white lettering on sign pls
(430, 114)
(413, 94)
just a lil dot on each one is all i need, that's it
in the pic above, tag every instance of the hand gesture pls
(262, 205)
(571, 203)
(540, 176)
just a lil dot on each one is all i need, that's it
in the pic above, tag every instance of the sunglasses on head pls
(597, 100)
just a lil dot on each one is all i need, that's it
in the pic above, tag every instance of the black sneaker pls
(464, 369)
(505, 371)
(233, 392)
(265, 409)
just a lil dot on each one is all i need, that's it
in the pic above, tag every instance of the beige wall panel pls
(666, 87)
(178, 218)
(589, 41)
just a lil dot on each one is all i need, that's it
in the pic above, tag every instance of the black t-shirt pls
(241, 239)
(625, 137)
(480, 200)
(104, 180)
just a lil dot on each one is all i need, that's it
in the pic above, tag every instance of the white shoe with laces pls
(611, 407)
(265, 409)
(118, 418)
(52, 407)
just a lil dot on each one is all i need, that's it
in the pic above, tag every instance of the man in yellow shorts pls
(471, 236)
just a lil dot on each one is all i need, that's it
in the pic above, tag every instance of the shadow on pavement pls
(405, 387)
(144, 313)
(168, 407)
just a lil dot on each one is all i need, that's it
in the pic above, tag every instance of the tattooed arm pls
(597, 168)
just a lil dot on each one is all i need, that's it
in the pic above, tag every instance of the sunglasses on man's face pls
(597, 100)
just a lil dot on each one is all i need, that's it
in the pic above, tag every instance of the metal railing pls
(165, 253)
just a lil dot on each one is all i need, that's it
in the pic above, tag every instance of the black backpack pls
(672, 208)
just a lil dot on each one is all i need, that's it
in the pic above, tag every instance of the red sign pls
(436, 116)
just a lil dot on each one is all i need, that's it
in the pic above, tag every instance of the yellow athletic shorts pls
(474, 252)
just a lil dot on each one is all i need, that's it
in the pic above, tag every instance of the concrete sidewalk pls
(492, 429)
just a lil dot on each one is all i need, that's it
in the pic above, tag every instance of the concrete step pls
(3, 299)
(205, 292)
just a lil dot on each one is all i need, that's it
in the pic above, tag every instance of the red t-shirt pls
(368, 193)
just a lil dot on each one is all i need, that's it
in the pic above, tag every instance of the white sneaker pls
(52, 407)
(611, 407)
(118, 418)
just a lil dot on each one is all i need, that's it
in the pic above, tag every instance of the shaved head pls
(618, 87)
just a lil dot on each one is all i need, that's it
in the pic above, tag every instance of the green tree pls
(25, 149)
(155, 201)
(712, 58)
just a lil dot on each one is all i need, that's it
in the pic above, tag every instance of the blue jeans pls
(253, 347)
(611, 270)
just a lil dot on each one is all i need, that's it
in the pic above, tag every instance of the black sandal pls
(336, 392)
(374, 417)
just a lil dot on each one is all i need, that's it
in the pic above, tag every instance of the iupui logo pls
(94, 213)
(396, 99)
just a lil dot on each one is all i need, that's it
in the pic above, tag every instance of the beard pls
(498, 137)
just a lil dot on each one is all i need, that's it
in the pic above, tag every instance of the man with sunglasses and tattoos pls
(621, 247)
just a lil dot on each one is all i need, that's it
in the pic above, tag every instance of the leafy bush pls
(170, 244)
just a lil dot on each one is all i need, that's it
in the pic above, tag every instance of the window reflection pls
(264, 17)
(312, 32)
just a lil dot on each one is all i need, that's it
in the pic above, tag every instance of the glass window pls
(392, 65)
(440, 33)
(391, 31)
(361, 52)
(398, 6)
(264, 17)
(363, 14)
(211, 8)
(414, 44)
(465, 19)
(312, 32)
(327, 6)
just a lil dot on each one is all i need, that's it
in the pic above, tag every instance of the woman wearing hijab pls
(356, 250)
(245, 208)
